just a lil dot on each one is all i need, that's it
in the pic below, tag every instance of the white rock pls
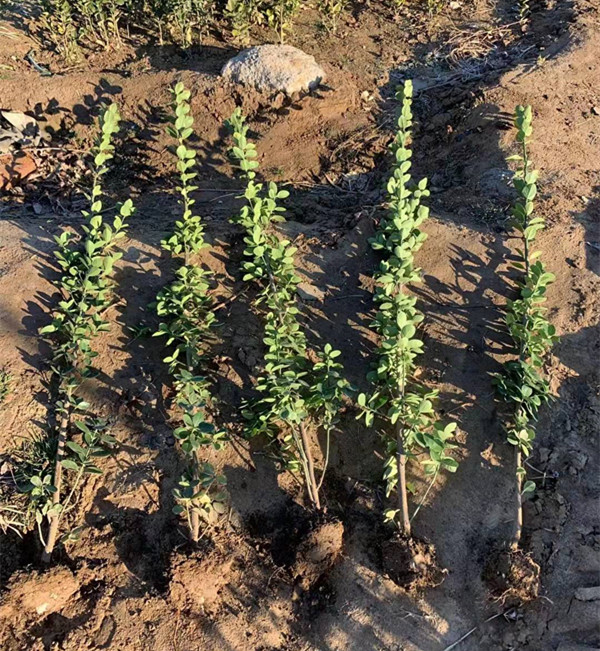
(274, 68)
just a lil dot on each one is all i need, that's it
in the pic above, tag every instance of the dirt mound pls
(513, 576)
(197, 580)
(36, 594)
(318, 553)
(411, 563)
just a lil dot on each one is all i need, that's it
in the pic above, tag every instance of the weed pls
(293, 391)
(189, 20)
(524, 13)
(523, 384)
(5, 384)
(101, 21)
(187, 309)
(396, 399)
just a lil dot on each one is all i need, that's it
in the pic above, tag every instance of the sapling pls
(281, 15)
(331, 11)
(294, 391)
(58, 23)
(189, 20)
(403, 407)
(85, 288)
(187, 309)
(243, 14)
(523, 383)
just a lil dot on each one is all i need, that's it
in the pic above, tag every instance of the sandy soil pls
(271, 578)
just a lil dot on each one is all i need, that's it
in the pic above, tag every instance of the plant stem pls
(402, 492)
(304, 463)
(310, 465)
(326, 461)
(519, 521)
(522, 356)
(194, 517)
(54, 518)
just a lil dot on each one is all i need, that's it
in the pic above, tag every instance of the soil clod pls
(197, 580)
(513, 576)
(318, 553)
(411, 564)
(36, 594)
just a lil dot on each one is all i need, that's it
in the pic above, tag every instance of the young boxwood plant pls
(85, 287)
(281, 15)
(523, 384)
(187, 309)
(404, 408)
(294, 391)
(242, 15)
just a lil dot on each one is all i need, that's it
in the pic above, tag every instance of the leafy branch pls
(404, 407)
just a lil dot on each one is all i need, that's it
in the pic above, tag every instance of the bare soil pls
(271, 577)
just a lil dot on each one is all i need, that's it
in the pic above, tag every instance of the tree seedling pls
(294, 391)
(523, 383)
(186, 308)
(331, 11)
(85, 289)
(403, 408)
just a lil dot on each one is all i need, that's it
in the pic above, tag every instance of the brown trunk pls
(195, 518)
(402, 492)
(519, 523)
(313, 490)
(55, 517)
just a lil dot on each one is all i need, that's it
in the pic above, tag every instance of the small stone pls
(275, 68)
(588, 594)
(596, 110)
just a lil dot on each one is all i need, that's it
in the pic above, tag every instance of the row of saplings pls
(298, 394)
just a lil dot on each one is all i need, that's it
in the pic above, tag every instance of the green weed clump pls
(50, 468)
(523, 383)
(295, 392)
(402, 407)
(187, 309)
(6, 381)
